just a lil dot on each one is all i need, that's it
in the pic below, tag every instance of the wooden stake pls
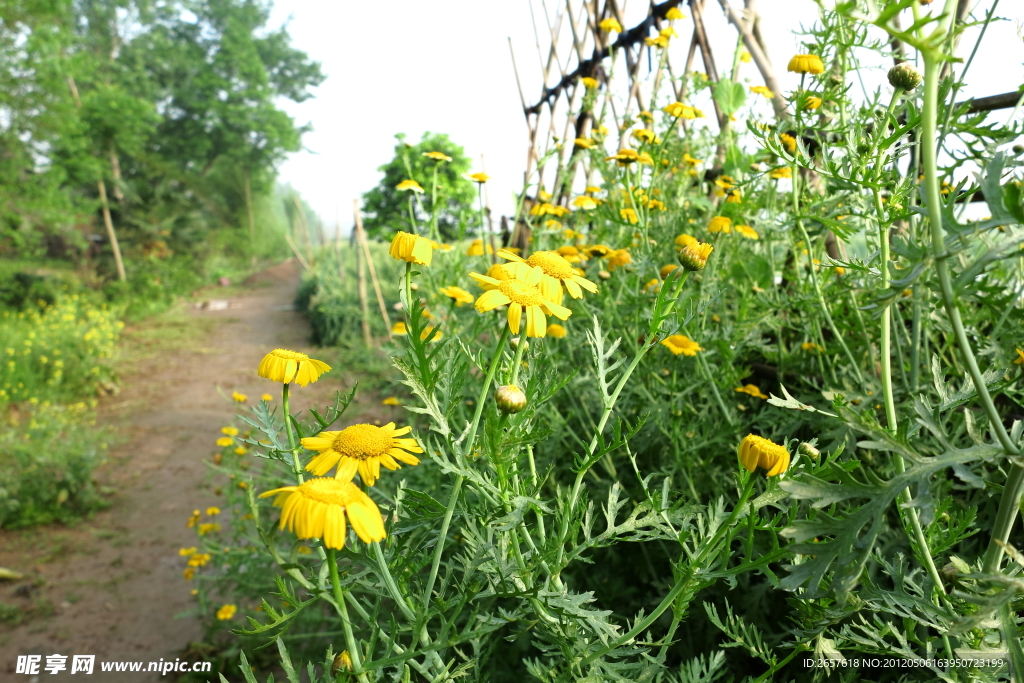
(361, 239)
(361, 288)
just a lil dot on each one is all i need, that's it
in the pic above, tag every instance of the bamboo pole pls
(364, 308)
(361, 239)
(295, 250)
(305, 229)
(102, 186)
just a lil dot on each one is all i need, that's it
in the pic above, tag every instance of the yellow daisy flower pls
(597, 250)
(437, 156)
(317, 508)
(762, 90)
(684, 240)
(460, 295)
(585, 203)
(720, 224)
(281, 365)
(806, 64)
(477, 248)
(230, 431)
(589, 83)
(681, 344)
(238, 398)
(747, 232)
(619, 258)
(519, 295)
(409, 185)
(266, 397)
(811, 102)
(391, 401)
(695, 256)
(361, 448)
(1020, 357)
(569, 253)
(789, 141)
(411, 248)
(557, 271)
(751, 389)
(610, 24)
(757, 451)
(477, 177)
(674, 13)
(225, 441)
(583, 143)
(556, 331)
(682, 111)
(780, 173)
(666, 270)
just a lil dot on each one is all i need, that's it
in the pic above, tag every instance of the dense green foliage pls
(447, 204)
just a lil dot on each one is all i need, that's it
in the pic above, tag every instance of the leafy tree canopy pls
(388, 208)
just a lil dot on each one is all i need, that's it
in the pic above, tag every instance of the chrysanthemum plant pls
(565, 529)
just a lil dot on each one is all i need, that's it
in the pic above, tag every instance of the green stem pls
(346, 624)
(292, 441)
(457, 488)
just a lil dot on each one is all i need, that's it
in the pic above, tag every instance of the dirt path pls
(112, 586)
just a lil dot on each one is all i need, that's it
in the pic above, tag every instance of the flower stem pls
(292, 441)
(346, 623)
(457, 487)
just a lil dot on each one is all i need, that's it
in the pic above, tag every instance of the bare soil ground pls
(112, 586)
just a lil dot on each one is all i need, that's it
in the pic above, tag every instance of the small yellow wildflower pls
(682, 111)
(208, 528)
(399, 328)
(674, 13)
(585, 203)
(681, 344)
(241, 450)
(411, 248)
(556, 331)
(629, 214)
(185, 552)
(226, 612)
(811, 102)
(751, 389)
(695, 256)
(409, 185)
(745, 57)
(477, 248)
(756, 451)
(666, 270)
(762, 90)
(437, 156)
(806, 64)
(230, 431)
(282, 365)
(721, 224)
(781, 172)
(317, 508)
(189, 573)
(583, 143)
(225, 441)
(480, 178)
(361, 448)
(1020, 357)
(520, 295)
(589, 83)
(619, 258)
(610, 24)
(238, 398)
(747, 232)
(212, 510)
(391, 401)
(266, 397)
(458, 294)
(684, 240)
(789, 141)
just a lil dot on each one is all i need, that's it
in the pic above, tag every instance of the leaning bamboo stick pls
(364, 307)
(760, 59)
(361, 239)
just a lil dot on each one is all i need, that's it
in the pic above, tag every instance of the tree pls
(387, 208)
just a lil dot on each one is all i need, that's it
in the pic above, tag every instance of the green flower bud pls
(510, 398)
(904, 76)
(808, 450)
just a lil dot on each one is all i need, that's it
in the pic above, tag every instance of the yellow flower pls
(477, 248)
(569, 253)
(211, 527)
(645, 116)
(411, 248)
(226, 612)
(230, 431)
(556, 331)
(682, 111)
(745, 57)
(619, 258)
(460, 295)
(519, 295)
(762, 90)
(751, 389)
(720, 224)
(598, 250)
(409, 185)
(238, 398)
(756, 451)
(811, 102)
(645, 135)
(668, 32)
(674, 13)
(317, 508)
(399, 328)
(734, 197)
(391, 401)
(241, 450)
(1020, 357)
(657, 41)
(428, 333)
(584, 202)
(681, 344)
(805, 64)
(193, 520)
(583, 143)
(589, 83)
(361, 448)
(477, 177)
(747, 232)
(437, 156)
(225, 441)
(811, 347)
(609, 25)
(684, 240)
(212, 510)
(281, 365)
(781, 172)
(689, 160)
(198, 559)
(695, 256)
(556, 272)
(653, 285)
(189, 573)
(628, 214)
(789, 141)
(266, 397)
(185, 552)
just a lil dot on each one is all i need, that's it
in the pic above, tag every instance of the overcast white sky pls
(444, 66)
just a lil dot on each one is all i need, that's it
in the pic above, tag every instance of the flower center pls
(329, 491)
(552, 264)
(285, 354)
(521, 293)
(362, 442)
